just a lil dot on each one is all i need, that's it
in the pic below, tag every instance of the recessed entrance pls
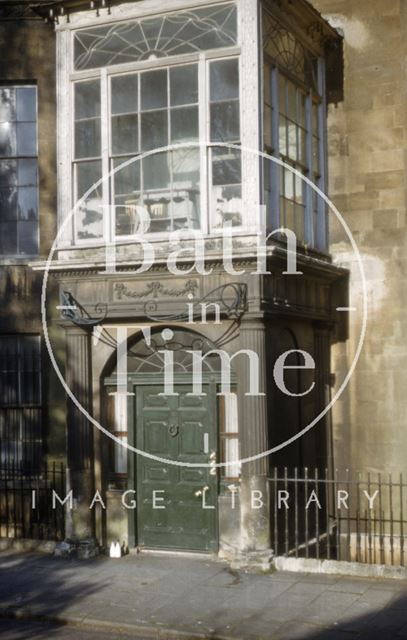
(177, 504)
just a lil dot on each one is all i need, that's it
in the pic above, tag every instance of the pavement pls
(164, 596)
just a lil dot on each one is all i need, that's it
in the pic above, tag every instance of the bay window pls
(155, 101)
(294, 116)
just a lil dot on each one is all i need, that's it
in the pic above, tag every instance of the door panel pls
(174, 427)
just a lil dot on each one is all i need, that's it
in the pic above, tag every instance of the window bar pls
(358, 533)
(54, 484)
(275, 511)
(306, 512)
(22, 501)
(401, 522)
(6, 487)
(47, 509)
(391, 519)
(348, 520)
(381, 532)
(296, 510)
(62, 487)
(338, 519)
(36, 514)
(374, 536)
(369, 523)
(286, 529)
(327, 516)
(369, 535)
(317, 512)
(15, 534)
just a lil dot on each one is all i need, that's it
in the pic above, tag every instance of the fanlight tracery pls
(143, 358)
(281, 45)
(172, 34)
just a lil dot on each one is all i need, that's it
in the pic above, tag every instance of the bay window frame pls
(315, 234)
(104, 74)
(247, 52)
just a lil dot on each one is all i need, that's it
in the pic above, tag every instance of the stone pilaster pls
(253, 430)
(80, 431)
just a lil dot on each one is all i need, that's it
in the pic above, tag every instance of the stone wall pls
(367, 175)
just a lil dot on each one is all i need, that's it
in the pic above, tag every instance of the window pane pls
(184, 85)
(8, 238)
(302, 146)
(125, 134)
(299, 222)
(156, 172)
(89, 217)
(186, 168)
(184, 124)
(292, 141)
(126, 180)
(8, 110)
(282, 94)
(282, 133)
(225, 122)
(299, 188)
(8, 140)
(226, 167)
(26, 104)
(28, 237)
(27, 203)
(26, 139)
(27, 172)
(125, 94)
(87, 139)
(292, 102)
(289, 215)
(8, 204)
(128, 219)
(227, 205)
(87, 99)
(154, 90)
(186, 188)
(288, 184)
(154, 130)
(224, 80)
(8, 173)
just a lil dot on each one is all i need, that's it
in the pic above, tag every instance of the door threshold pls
(203, 555)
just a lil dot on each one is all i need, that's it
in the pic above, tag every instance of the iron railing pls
(26, 506)
(343, 516)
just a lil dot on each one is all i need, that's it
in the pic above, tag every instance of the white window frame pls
(250, 107)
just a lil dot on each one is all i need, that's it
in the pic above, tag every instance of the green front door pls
(181, 428)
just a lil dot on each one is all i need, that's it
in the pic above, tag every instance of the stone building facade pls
(367, 181)
(261, 78)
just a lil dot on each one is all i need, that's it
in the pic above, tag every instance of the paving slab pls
(185, 597)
